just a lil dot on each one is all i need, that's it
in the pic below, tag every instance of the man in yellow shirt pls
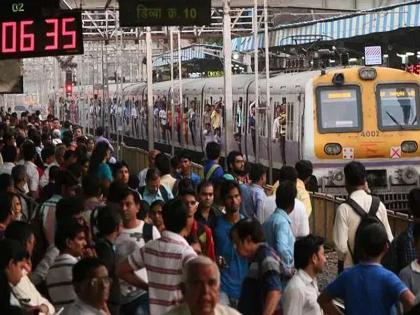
(304, 169)
(216, 118)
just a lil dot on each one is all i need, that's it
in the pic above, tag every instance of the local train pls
(333, 116)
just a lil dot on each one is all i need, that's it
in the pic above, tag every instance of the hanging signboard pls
(164, 12)
(373, 55)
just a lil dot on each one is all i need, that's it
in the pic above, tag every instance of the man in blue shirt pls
(233, 268)
(212, 170)
(185, 168)
(261, 289)
(258, 176)
(277, 228)
(368, 288)
(154, 190)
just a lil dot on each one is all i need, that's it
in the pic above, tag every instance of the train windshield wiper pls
(395, 121)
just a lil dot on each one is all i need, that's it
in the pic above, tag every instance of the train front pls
(365, 114)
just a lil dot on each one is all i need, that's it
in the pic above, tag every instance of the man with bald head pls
(142, 174)
(201, 282)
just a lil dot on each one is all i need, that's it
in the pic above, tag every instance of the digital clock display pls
(53, 32)
(164, 12)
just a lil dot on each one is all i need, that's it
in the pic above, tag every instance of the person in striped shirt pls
(163, 259)
(71, 242)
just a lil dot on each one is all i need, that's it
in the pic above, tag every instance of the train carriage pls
(332, 116)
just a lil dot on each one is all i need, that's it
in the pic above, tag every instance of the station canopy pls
(397, 24)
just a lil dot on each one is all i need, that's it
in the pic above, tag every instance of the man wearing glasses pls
(91, 283)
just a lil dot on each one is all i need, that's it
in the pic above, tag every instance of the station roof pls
(189, 53)
(363, 23)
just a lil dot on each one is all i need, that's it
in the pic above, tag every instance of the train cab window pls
(339, 109)
(398, 106)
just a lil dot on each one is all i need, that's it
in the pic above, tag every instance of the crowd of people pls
(82, 233)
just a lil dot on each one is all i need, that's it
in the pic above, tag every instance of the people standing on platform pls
(236, 164)
(258, 176)
(304, 170)
(298, 217)
(109, 224)
(233, 268)
(410, 275)
(92, 284)
(120, 172)
(347, 219)
(185, 161)
(134, 235)
(403, 250)
(201, 285)
(200, 237)
(206, 213)
(153, 190)
(368, 288)
(98, 165)
(212, 169)
(70, 240)
(29, 155)
(262, 287)
(155, 215)
(301, 294)
(151, 159)
(277, 229)
(101, 138)
(9, 155)
(163, 164)
(164, 271)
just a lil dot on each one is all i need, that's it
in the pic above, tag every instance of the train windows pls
(339, 109)
(398, 106)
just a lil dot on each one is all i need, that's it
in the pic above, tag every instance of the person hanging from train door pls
(163, 120)
(192, 115)
(251, 123)
(279, 128)
(134, 117)
(113, 112)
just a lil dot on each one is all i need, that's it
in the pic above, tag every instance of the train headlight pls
(367, 73)
(332, 149)
(409, 175)
(409, 146)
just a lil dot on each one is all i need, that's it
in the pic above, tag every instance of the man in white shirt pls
(301, 293)
(92, 284)
(347, 220)
(298, 217)
(201, 283)
(143, 172)
(134, 235)
(9, 154)
(29, 154)
(163, 259)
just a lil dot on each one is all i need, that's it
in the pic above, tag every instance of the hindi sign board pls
(164, 12)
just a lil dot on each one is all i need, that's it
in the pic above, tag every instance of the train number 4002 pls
(370, 133)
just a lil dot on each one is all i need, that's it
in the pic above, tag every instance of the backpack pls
(366, 220)
(211, 171)
(162, 190)
(147, 232)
